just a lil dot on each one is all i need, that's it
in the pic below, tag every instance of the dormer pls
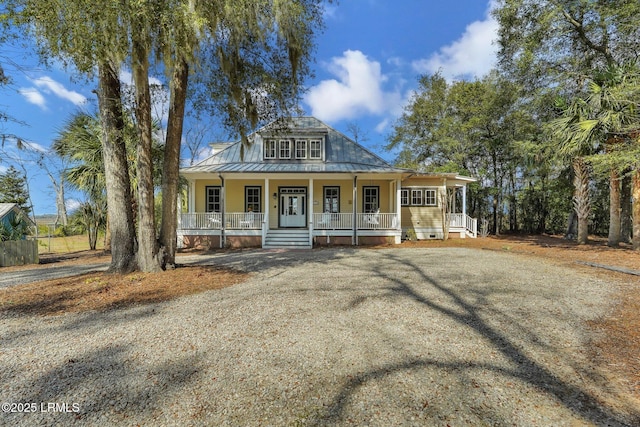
(295, 145)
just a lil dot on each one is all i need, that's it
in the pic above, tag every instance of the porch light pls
(275, 196)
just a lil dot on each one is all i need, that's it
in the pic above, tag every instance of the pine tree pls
(13, 189)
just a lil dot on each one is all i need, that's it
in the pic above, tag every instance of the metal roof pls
(341, 153)
(5, 208)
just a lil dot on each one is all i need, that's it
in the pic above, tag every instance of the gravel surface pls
(19, 277)
(396, 337)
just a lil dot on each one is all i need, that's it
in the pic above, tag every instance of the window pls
(331, 199)
(285, 149)
(430, 197)
(301, 149)
(416, 197)
(213, 201)
(270, 149)
(370, 199)
(404, 197)
(315, 149)
(252, 199)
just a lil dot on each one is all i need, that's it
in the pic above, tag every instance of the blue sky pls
(367, 63)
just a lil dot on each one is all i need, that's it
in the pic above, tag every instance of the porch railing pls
(378, 221)
(243, 220)
(200, 221)
(460, 220)
(213, 221)
(333, 221)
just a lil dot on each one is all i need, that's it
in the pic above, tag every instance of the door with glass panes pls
(293, 207)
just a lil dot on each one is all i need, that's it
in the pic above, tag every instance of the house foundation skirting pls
(210, 239)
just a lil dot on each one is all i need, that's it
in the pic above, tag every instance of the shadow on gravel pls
(579, 401)
(261, 260)
(101, 385)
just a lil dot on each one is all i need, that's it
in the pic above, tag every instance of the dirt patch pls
(103, 291)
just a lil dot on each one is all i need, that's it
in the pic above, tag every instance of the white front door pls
(293, 207)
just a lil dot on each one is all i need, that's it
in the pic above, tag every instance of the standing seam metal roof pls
(341, 153)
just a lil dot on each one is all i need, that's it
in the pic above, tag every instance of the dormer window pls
(315, 149)
(285, 149)
(301, 149)
(270, 149)
(293, 148)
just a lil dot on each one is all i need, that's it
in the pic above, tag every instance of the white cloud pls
(3, 169)
(35, 146)
(33, 96)
(48, 85)
(72, 204)
(472, 55)
(356, 91)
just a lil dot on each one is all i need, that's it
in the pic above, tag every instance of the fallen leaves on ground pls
(104, 291)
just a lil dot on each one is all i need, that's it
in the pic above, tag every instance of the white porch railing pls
(213, 221)
(200, 221)
(460, 220)
(332, 221)
(378, 221)
(243, 220)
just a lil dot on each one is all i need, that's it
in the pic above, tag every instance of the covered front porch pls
(287, 211)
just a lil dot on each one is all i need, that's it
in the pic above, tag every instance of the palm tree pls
(593, 130)
(79, 141)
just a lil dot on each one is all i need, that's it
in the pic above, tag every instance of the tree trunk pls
(147, 243)
(572, 226)
(116, 171)
(625, 212)
(614, 209)
(636, 210)
(61, 207)
(581, 199)
(171, 163)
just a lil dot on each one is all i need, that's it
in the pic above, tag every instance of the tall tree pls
(557, 43)
(468, 127)
(257, 53)
(13, 189)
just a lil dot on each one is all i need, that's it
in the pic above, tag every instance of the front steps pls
(288, 238)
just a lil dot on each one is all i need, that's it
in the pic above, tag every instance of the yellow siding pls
(383, 194)
(346, 194)
(421, 217)
(422, 182)
(234, 192)
(200, 192)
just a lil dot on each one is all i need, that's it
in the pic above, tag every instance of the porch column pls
(192, 191)
(267, 203)
(223, 208)
(398, 203)
(310, 211)
(464, 200)
(354, 238)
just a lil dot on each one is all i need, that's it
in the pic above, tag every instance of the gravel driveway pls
(443, 336)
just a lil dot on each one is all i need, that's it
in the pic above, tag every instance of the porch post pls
(354, 239)
(179, 210)
(464, 200)
(399, 204)
(192, 191)
(223, 196)
(267, 203)
(310, 211)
